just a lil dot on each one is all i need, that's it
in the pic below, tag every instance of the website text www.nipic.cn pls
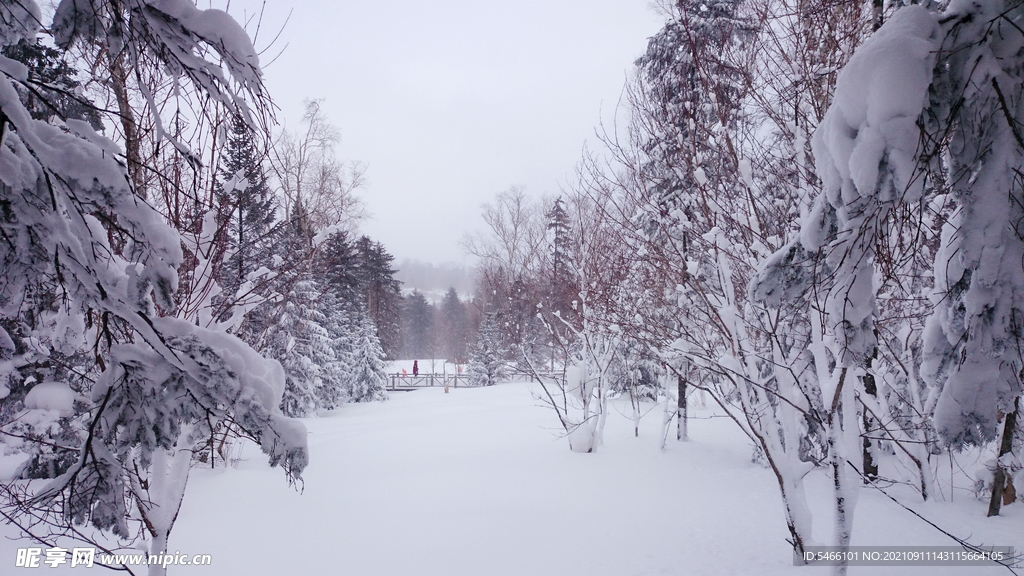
(88, 557)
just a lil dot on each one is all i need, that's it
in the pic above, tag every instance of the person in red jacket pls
(415, 367)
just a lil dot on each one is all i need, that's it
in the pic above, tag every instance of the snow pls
(878, 98)
(265, 377)
(978, 268)
(13, 68)
(478, 481)
(6, 343)
(214, 26)
(20, 19)
(700, 176)
(51, 396)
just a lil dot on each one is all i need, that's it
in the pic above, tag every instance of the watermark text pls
(88, 557)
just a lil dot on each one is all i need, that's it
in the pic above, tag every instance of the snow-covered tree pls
(974, 111)
(247, 212)
(56, 89)
(367, 380)
(865, 151)
(342, 328)
(72, 220)
(562, 285)
(298, 339)
(924, 106)
(487, 357)
(972, 340)
(705, 182)
(297, 335)
(338, 269)
(383, 294)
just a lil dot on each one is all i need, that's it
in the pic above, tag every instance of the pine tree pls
(337, 266)
(296, 335)
(338, 269)
(454, 329)
(305, 349)
(382, 293)
(32, 347)
(342, 326)
(487, 360)
(974, 335)
(55, 88)
(417, 326)
(563, 287)
(367, 378)
(687, 88)
(247, 210)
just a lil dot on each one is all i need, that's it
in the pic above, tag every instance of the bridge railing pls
(399, 381)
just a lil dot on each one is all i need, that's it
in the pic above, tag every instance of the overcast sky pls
(449, 102)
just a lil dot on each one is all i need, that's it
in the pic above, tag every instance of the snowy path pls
(476, 483)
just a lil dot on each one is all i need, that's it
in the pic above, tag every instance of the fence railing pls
(532, 376)
(401, 381)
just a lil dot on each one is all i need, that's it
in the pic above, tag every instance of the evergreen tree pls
(54, 85)
(30, 347)
(305, 349)
(417, 326)
(342, 325)
(454, 327)
(562, 288)
(246, 210)
(487, 362)
(561, 285)
(367, 378)
(687, 89)
(338, 269)
(297, 336)
(382, 293)
(352, 373)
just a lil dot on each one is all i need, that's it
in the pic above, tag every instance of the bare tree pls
(307, 171)
(511, 254)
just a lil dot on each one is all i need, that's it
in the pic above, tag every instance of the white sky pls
(449, 102)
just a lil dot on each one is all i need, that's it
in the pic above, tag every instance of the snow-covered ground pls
(478, 482)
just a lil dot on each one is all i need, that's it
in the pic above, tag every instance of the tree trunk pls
(132, 149)
(669, 411)
(159, 500)
(841, 419)
(844, 513)
(870, 467)
(797, 515)
(1001, 478)
(682, 432)
(635, 403)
